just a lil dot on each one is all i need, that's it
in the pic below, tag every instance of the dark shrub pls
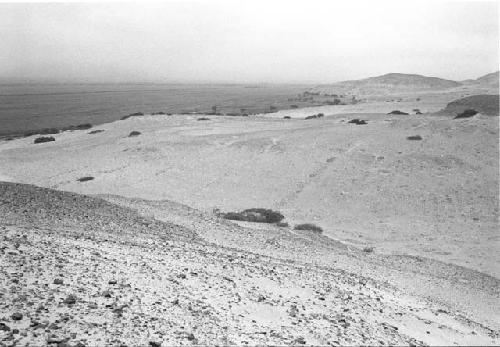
(418, 112)
(134, 133)
(158, 113)
(368, 249)
(203, 118)
(256, 215)
(414, 138)
(233, 216)
(85, 179)
(132, 115)
(466, 114)
(42, 139)
(357, 121)
(287, 117)
(282, 224)
(294, 106)
(398, 112)
(309, 227)
(96, 131)
(319, 115)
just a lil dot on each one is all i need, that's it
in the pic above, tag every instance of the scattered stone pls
(112, 281)
(70, 299)
(154, 344)
(106, 294)
(16, 316)
(4, 327)
(58, 281)
(299, 341)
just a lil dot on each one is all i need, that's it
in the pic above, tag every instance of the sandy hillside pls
(97, 272)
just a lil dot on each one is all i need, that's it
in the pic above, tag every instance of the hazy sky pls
(247, 41)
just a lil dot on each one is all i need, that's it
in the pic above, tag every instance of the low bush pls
(398, 112)
(466, 114)
(319, 115)
(287, 117)
(368, 249)
(134, 133)
(309, 227)
(294, 106)
(43, 139)
(357, 121)
(282, 224)
(85, 179)
(256, 215)
(203, 118)
(96, 131)
(414, 138)
(132, 115)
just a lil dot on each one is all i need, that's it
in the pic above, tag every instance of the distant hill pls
(484, 104)
(402, 83)
(390, 83)
(489, 79)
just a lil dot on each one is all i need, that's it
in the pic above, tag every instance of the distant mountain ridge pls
(490, 79)
(401, 82)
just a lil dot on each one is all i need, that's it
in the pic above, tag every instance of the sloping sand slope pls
(96, 273)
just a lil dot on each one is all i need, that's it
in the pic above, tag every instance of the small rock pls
(154, 344)
(4, 327)
(58, 281)
(299, 341)
(106, 294)
(70, 299)
(15, 331)
(56, 339)
(17, 316)
(112, 281)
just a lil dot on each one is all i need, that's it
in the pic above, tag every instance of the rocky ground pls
(78, 270)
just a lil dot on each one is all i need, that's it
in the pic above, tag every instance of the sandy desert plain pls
(139, 256)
